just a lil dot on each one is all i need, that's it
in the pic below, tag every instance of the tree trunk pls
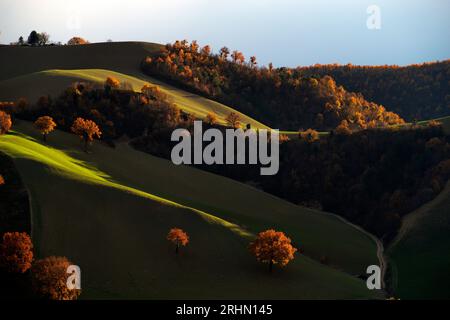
(177, 248)
(85, 145)
(45, 137)
(270, 266)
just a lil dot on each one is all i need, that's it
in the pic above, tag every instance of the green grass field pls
(419, 257)
(109, 211)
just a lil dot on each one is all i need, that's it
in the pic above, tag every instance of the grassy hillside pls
(419, 257)
(54, 82)
(445, 121)
(36, 71)
(122, 57)
(114, 200)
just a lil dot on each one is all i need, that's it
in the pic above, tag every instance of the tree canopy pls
(279, 97)
(5, 122)
(273, 247)
(178, 237)
(45, 125)
(49, 279)
(16, 252)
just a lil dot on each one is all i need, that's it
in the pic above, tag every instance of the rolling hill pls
(33, 72)
(418, 257)
(124, 57)
(109, 211)
(54, 82)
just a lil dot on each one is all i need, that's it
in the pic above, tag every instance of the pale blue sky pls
(286, 32)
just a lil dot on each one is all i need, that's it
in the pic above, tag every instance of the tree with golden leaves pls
(49, 279)
(211, 118)
(2, 180)
(178, 237)
(233, 120)
(223, 53)
(45, 125)
(16, 252)
(112, 82)
(153, 92)
(284, 138)
(5, 122)
(77, 41)
(309, 135)
(343, 128)
(238, 57)
(273, 247)
(87, 130)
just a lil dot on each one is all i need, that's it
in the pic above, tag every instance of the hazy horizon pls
(286, 32)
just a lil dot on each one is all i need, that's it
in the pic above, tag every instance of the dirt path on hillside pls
(380, 248)
(382, 262)
(411, 219)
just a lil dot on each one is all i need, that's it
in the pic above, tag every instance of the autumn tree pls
(283, 138)
(77, 41)
(45, 125)
(87, 130)
(178, 237)
(309, 135)
(21, 105)
(206, 50)
(16, 252)
(238, 57)
(2, 180)
(153, 92)
(273, 247)
(5, 122)
(224, 52)
(194, 46)
(343, 128)
(211, 118)
(112, 82)
(233, 120)
(49, 279)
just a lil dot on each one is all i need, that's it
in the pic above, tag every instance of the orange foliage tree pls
(49, 279)
(5, 122)
(76, 41)
(16, 252)
(309, 135)
(211, 118)
(153, 92)
(86, 130)
(2, 180)
(233, 120)
(343, 128)
(45, 125)
(273, 247)
(112, 82)
(178, 237)
(238, 57)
